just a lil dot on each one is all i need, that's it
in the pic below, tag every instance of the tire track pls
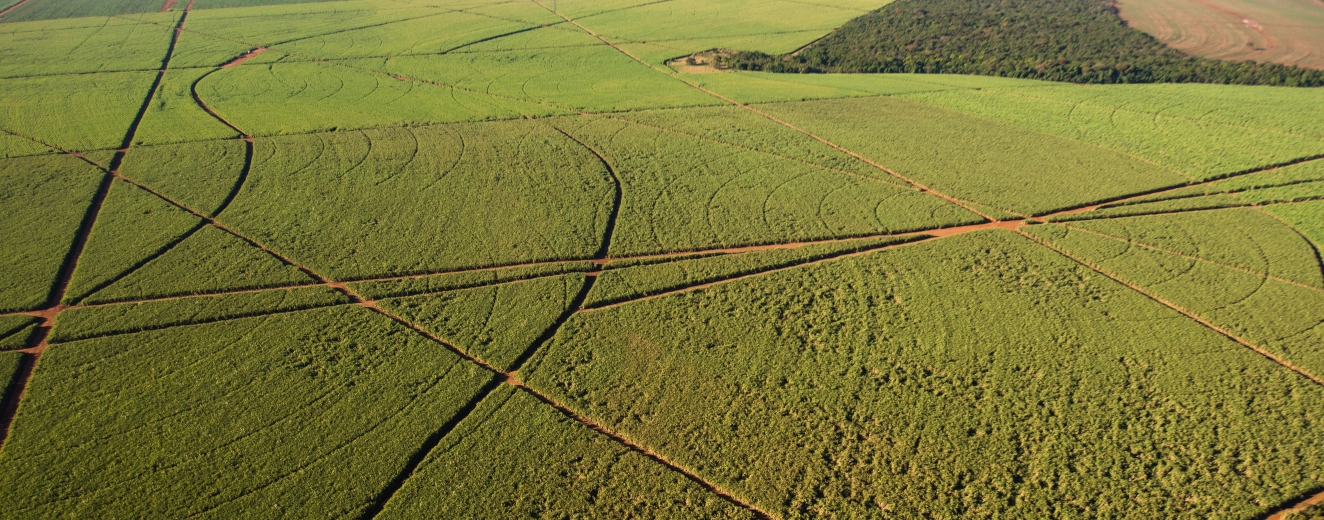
(13, 7)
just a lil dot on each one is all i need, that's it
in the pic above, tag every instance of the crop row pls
(1282, 318)
(831, 391)
(991, 163)
(1160, 124)
(334, 399)
(41, 208)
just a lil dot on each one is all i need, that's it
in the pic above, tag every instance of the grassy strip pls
(105, 320)
(15, 331)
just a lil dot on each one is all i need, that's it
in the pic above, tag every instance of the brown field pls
(1281, 31)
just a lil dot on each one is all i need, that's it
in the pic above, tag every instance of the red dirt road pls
(167, 5)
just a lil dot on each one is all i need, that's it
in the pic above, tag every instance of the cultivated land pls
(1280, 31)
(484, 258)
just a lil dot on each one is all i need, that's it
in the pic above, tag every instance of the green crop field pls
(609, 259)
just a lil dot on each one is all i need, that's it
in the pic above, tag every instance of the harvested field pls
(1290, 32)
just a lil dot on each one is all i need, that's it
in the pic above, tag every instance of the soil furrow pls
(1193, 316)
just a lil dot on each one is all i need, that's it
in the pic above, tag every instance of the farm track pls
(1193, 316)
(37, 342)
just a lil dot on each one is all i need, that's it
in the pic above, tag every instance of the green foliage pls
(1282, 318)
(496, 323)
(684, 194)
(1181, 127)
(217, 4)
(540, 38)
(113, 44)
(1216, 201)
(194, 49)
(265, 26)
(697, 25)
(763, 87)
(132, 228)
(1082, 41)
(197, 175)
(425, 200)
(334, 399)
(126, 318)
(1306, 218)
(977, 373)
(743, 128)
(78, 112)
(995, 164)
(596, 78)
(427, 284)
(53, 9)
(208, 261)
(174, 115)
(516, 457)
(1289, 184)
(624, 284)
(435, 33)
(1241, 238)
(15, 146)
(294, 98)
(14, 333)
(41, 209)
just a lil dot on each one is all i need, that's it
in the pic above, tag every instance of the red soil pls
(167, 5)
(240, 60)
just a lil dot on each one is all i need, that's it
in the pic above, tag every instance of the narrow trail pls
(1299, 505)
(919, 186)
(54, 305)
(167, 5)
(1193, 316)
(1176, 211)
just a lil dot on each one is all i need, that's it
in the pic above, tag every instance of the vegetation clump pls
(1081, 41)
